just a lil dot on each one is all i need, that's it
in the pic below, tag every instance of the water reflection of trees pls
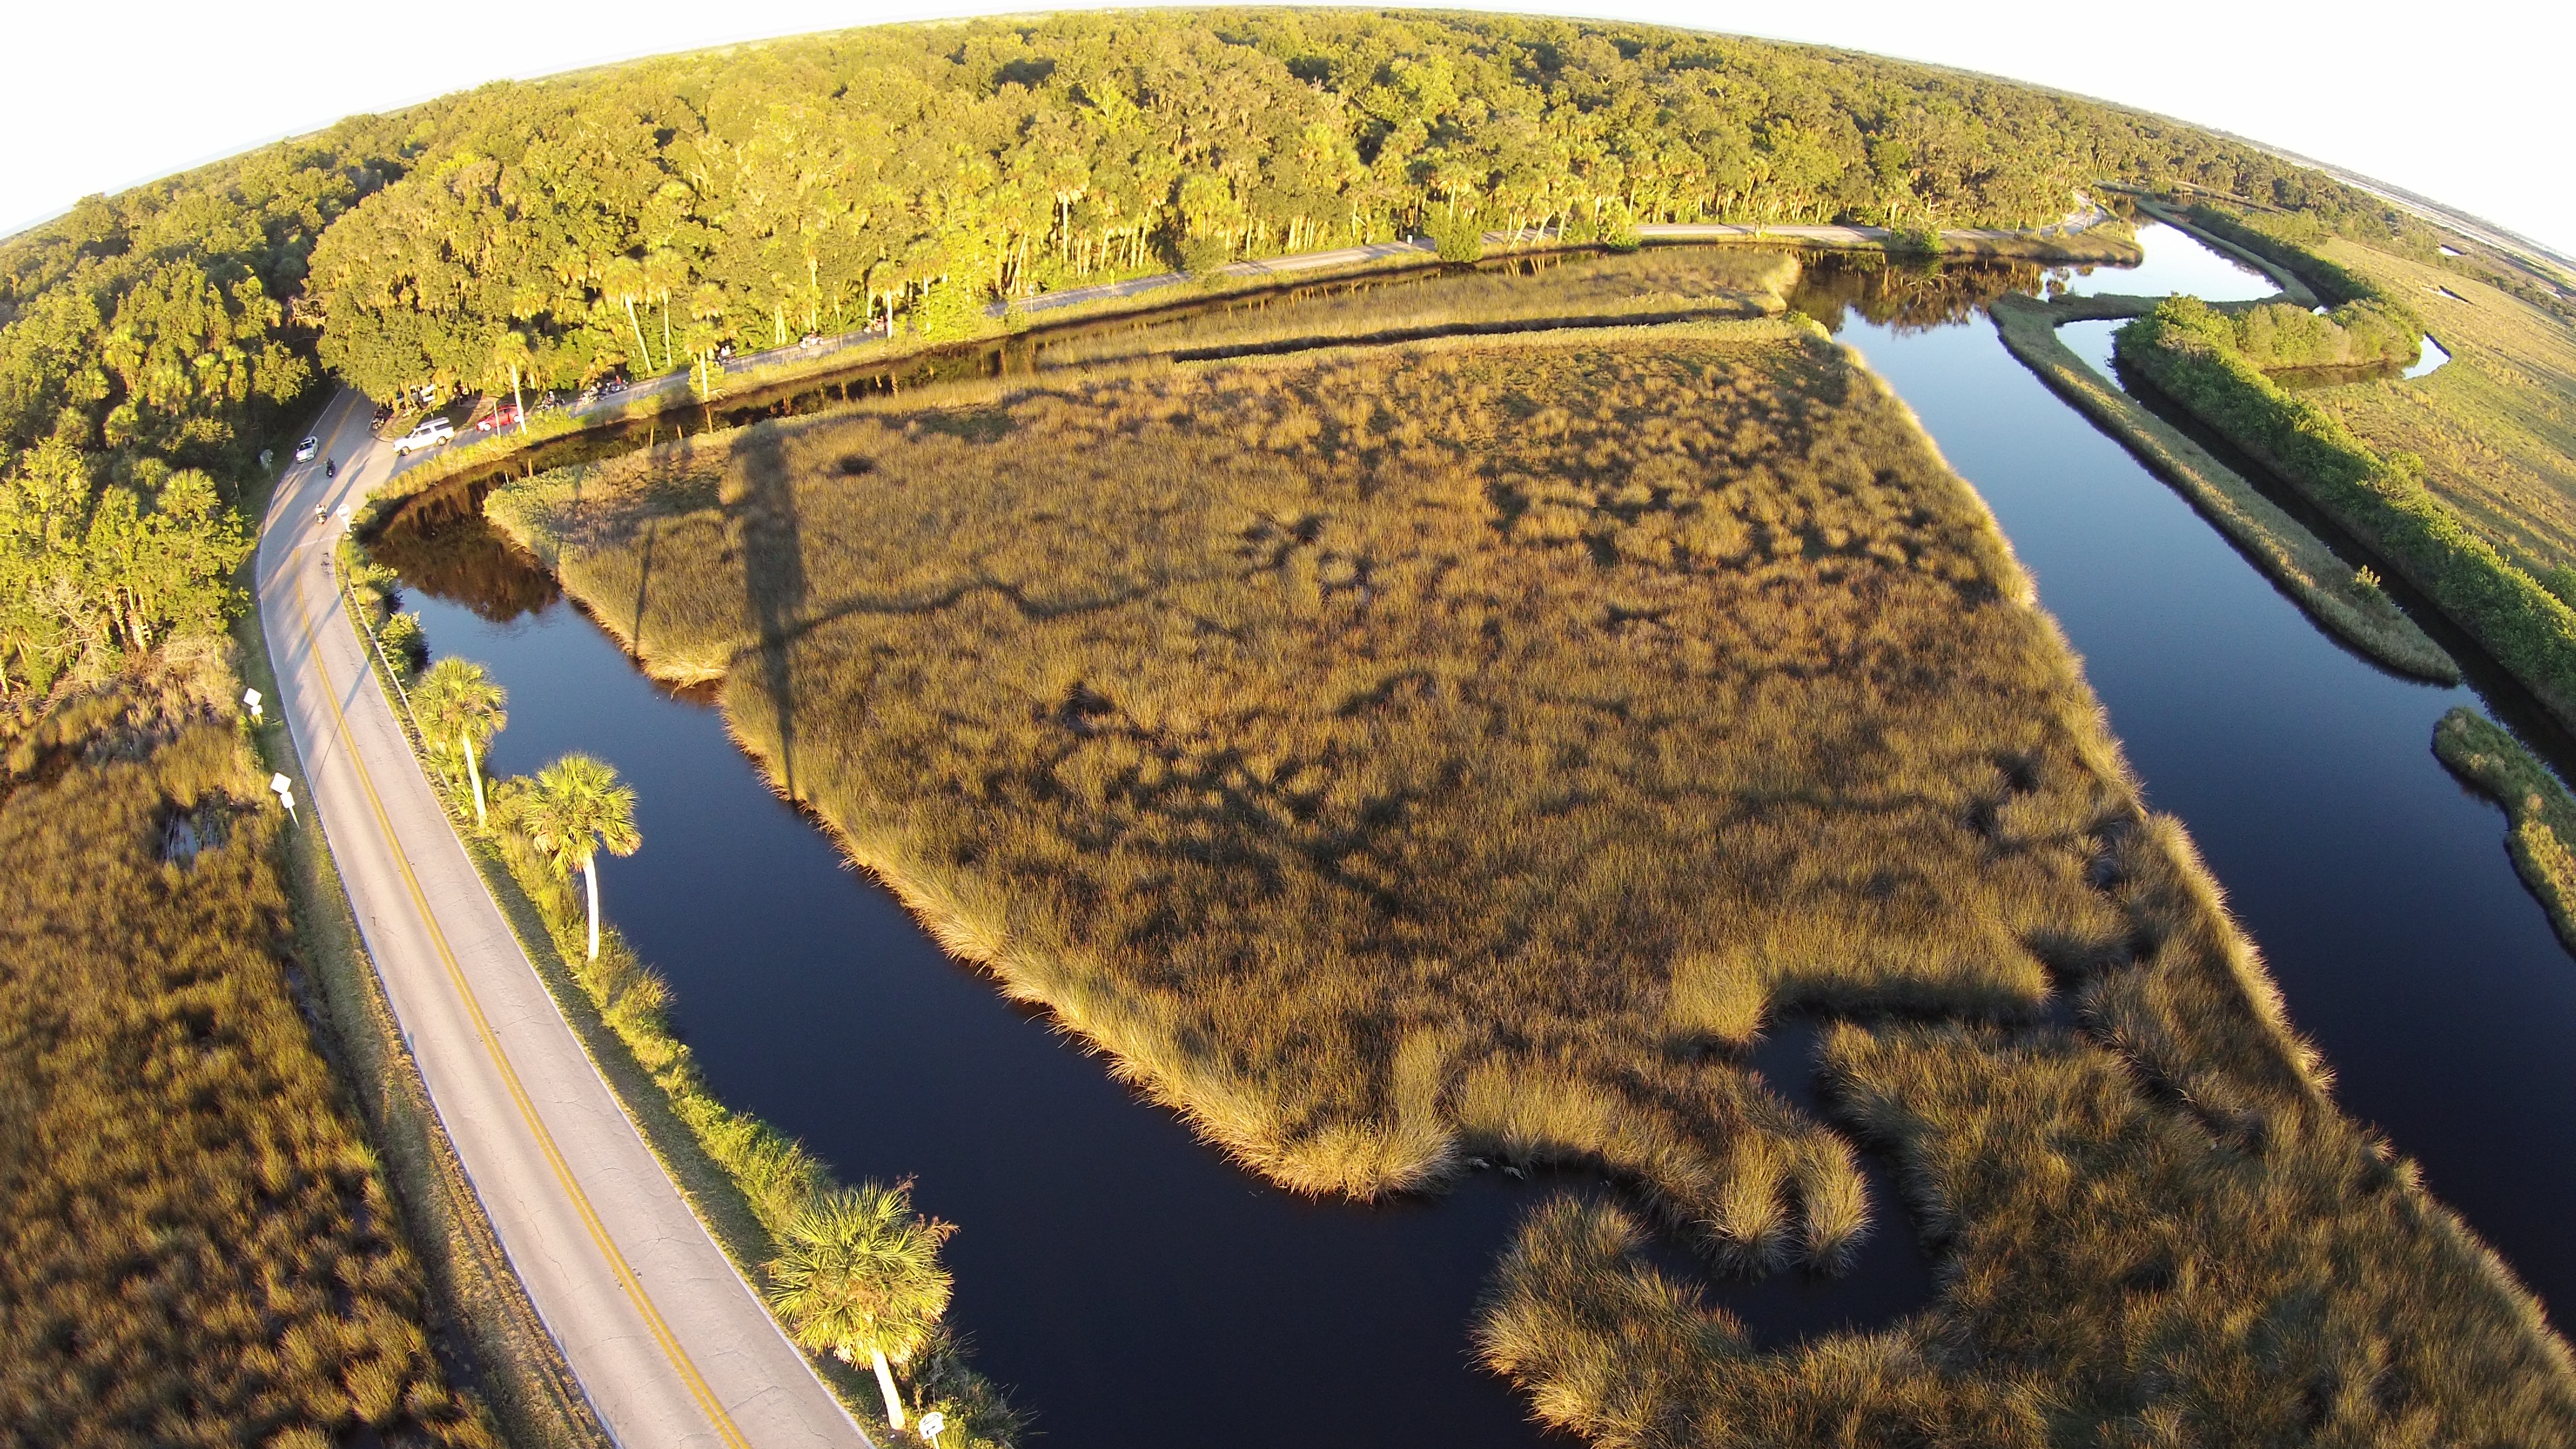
(442, 545)
(1907, 296)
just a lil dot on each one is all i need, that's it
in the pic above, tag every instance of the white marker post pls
(285, 789)
(250, 701)
(930, 1424)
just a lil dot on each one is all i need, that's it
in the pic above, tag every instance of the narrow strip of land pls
(2269, 537)
(1828, 236)
(669, 1343)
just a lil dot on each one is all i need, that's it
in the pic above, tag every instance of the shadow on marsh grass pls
(765, 530)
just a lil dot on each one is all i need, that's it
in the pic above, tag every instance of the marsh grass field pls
(1669, 284)
(1404, 757)
(199, 1247)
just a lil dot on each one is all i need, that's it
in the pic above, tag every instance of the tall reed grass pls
(2542, 840)
(1672, 282)
(2115, 1272)
(196, 1247)
(1533, 716)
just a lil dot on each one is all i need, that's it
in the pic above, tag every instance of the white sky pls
(2467, 104)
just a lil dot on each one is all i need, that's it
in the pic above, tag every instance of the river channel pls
(1135, 1289)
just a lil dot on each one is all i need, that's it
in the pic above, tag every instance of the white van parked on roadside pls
(430, 434)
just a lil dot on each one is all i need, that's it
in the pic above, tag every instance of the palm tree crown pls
(461, 709)
(860, 1278)
(575, 809)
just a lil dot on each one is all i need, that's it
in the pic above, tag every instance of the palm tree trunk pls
(518, 404)
(590, 878)
(885, 1386)
(474, 772)
(645, 353)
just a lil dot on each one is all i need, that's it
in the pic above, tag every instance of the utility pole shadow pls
(769, 537)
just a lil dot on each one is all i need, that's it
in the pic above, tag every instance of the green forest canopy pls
(627, 217)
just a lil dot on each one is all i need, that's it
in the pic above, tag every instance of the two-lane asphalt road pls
(671, 1345)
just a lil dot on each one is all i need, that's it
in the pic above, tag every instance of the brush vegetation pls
(1401, 756)
(195, 1245)
(2495, 425)
(2278, 337)
(2543, 838)
(2187, 350)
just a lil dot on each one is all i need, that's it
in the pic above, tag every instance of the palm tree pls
(576, 809)
(664, 273)
(512, 358)
(457, 701)
(623, 281)
(861, 1275)
(706, 310)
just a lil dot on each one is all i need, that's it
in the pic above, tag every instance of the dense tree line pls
(146, 345)
(635, 216)
(631, 217)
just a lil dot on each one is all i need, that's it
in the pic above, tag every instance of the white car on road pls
(431, 434)
(305, 450)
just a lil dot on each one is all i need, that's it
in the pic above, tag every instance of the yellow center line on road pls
(626, 1279)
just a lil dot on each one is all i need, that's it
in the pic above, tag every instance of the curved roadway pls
(667, 1340)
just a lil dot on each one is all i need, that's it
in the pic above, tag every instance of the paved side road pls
(667, 1340)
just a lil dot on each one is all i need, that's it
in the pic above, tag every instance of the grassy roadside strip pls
(742, 1177)
(516, 1365)
(2185, 350)
(2275, 542)
(2543, 818)
(482, 452)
